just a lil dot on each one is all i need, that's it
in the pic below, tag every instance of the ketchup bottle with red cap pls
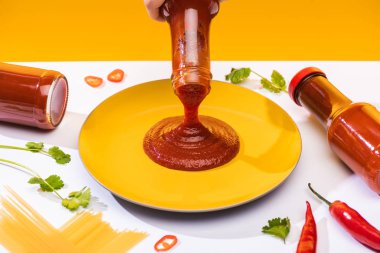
(353, 128)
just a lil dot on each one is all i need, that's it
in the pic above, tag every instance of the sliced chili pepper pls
(352, 222)
(93, 81)
(165, 243)
(116, 76)
(308, 239)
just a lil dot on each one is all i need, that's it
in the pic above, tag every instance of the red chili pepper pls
(165, 243)
(93, 81)
(116, 76)
(353, 222)
(308, 239)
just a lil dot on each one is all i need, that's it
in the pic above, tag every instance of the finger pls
(152, 6)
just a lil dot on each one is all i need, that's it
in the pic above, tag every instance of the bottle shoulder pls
(353, 115)
(351, 111)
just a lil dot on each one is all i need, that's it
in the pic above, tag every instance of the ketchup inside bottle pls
(191, 142)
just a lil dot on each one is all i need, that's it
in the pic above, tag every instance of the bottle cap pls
(299, 77)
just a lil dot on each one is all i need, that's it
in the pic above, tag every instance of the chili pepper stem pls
(318, 195)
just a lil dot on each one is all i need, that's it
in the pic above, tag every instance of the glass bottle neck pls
(189, 23)
(321, 98)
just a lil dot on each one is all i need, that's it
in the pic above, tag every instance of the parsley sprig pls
(77, 199)
(277, 83)
(49, 184)
(55, 152)
(278, 227)
(52, 184)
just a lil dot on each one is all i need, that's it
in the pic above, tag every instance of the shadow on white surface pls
(65, 135)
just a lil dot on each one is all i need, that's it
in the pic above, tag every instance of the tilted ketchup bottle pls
(189, 22)
(353, 128)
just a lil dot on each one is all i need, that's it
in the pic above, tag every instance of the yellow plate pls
(111, 147)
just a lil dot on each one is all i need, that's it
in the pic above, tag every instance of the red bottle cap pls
(299, 77)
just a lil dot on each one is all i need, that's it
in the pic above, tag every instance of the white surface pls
(234, 230)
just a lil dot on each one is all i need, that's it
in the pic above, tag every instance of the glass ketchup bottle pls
(353, 128)
(32, 96)
(191, 142)
(189, 22)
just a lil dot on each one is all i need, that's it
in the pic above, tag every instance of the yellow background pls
(42, 30)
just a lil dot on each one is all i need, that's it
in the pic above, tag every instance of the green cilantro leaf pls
(276, 85)
(36, 180)
(77, 199)
(238, 75)
(58, 155)
(278, 80)
(55, 182)
(50, 184)
(71, 204)
(278, 227)
(38, 147)
(85, 197)
(34, 146)
(269, 86)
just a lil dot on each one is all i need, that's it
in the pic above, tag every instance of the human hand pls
(153, 8)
